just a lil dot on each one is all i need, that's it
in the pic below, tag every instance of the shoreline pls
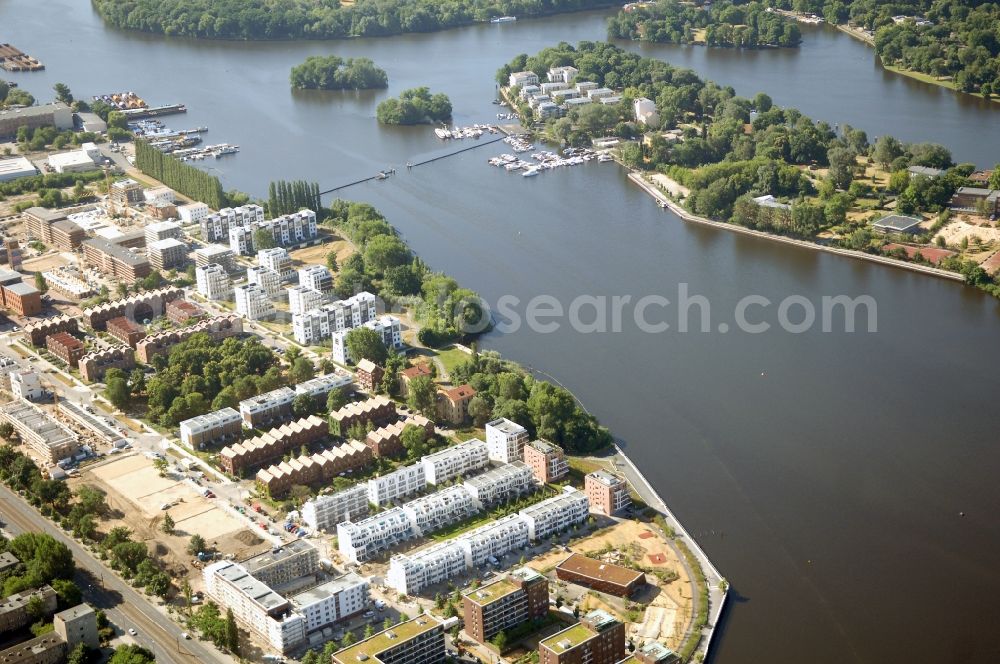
(848, 253)
(718, 593)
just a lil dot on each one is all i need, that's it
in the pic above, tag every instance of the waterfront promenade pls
(850, 253)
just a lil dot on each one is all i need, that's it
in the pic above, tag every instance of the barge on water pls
(154, 111)
(14, 59)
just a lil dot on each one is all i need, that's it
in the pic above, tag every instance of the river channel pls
(823, 472)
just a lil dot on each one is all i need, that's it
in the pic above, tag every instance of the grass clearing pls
(451, 357)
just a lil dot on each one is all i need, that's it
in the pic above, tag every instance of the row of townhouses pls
(409, 574)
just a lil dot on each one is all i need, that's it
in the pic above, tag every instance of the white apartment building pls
(25, 384)
(213, 282)
(210, 427)
(332, 601)
(255, 605)
(455, 461)
(500, 485)
(162, 230)
(253, 302)
(322, 322)
(166, 254)
(409, 574)
(291, 229)
(325, 512)
(360, 541)
(400, 483)
(302, 300)
(386, 326)
(159, 195)
(506, 440)
(241, 240)
(267, 407)
(214, 253)
(266, 278)
(555, 514)
(283, 564)
(433, 512)
(192, 213)
(645, 111)
(320, 386)
(277, 260)
(495, 539)
(215, 227)
(521, 78)
(316, 277)
(563, 74)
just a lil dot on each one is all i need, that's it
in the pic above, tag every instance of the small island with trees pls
(415, 106)
(331, 72)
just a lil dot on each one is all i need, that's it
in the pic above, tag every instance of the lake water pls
(824, 473)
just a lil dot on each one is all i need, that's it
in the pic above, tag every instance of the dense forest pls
(728, 149)
(179, 176)
(317, 19)
(415, 106)
(333, 73)
(955, 39)
(723, 23)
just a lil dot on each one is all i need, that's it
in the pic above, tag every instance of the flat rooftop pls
(325, 590)
(568, 638)
(506, 426)
(268, 558)
(34, 418)
(251, 587)
(578, 563)
(606, 478)
(372, 646)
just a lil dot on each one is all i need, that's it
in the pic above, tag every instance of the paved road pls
(125, 607)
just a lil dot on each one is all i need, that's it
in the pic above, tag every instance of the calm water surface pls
(823, 473)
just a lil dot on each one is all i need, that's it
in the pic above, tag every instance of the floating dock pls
(14, 59)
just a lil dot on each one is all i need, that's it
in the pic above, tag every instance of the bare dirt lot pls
(135, 493)
(46, 262)
(317, 255)
(668, 605)
(955, 231)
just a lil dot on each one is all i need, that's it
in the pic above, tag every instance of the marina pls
(546, 160)
(458, 133)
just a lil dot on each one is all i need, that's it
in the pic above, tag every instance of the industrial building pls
(16, 167)
(56, 115)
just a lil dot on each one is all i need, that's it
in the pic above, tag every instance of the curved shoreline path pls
(718, 586)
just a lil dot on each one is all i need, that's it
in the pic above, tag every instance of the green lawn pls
(451, 357)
